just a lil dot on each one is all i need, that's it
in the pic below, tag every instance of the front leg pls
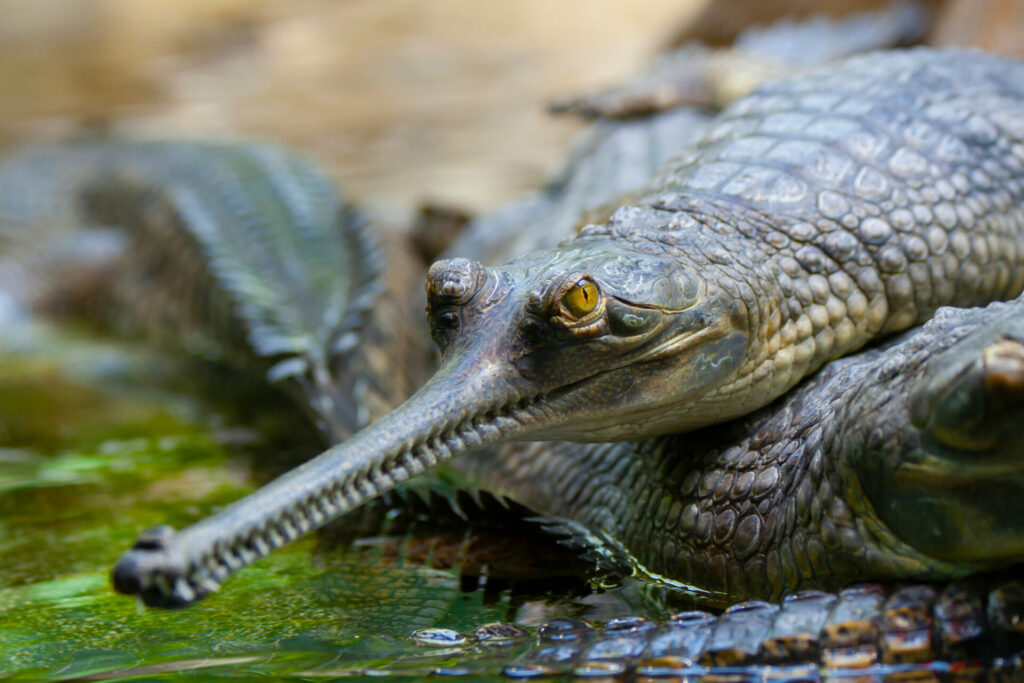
(699, 76)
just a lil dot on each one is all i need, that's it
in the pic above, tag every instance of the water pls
(99, 441)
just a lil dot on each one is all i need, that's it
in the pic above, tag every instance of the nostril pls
(448, 320)
(157, 538)
(454, 281)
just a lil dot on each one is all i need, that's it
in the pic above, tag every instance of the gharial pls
(831, 483)
(814, 216)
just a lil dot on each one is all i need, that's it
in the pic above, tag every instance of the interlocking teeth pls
(260, 546)
(316, 513)
(232, 561)
(288, 530)
(208, 585)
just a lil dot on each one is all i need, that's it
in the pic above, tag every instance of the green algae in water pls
(86, 463)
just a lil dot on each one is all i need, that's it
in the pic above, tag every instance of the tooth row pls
(316, 510)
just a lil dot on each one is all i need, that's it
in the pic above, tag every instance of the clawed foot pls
(694, 76)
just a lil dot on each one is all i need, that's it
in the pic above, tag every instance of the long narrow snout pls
(469, 403)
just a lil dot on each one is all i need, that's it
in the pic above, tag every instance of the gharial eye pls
(581, 299)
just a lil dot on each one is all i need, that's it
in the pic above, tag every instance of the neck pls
(748, 510)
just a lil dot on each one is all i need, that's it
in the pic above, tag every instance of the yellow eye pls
(581, 299)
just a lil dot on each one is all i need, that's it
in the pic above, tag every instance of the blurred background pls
(401, 100)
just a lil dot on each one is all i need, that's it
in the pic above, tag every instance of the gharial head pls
(592, 341)
(601, 342)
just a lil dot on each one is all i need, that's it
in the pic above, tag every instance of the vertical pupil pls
(582, 298)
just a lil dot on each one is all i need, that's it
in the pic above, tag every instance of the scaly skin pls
(864, 631)
(240, 253)
(815, 216)
(899, 462)
(646, 123)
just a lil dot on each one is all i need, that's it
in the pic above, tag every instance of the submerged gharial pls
(864, 630)
(814, 216)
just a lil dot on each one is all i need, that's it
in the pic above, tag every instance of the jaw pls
(468, 404)
(667, 389)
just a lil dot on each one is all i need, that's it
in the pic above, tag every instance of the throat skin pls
(869, 470)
